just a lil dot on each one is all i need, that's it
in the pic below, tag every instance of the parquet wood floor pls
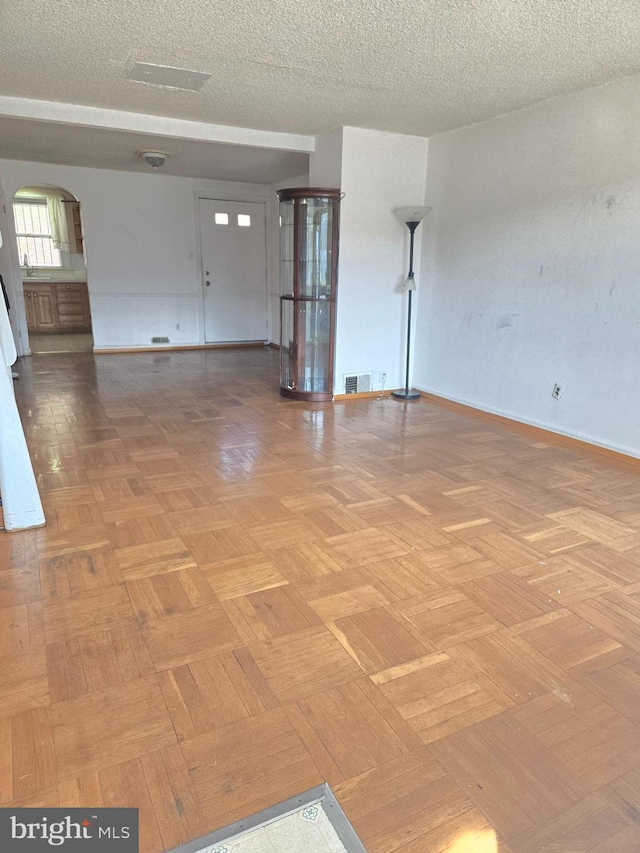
(237, 597)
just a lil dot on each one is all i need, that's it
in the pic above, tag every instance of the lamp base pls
(406, 395)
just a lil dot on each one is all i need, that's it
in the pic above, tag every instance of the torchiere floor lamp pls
(412, 217)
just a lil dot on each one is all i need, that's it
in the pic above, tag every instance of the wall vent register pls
(357, 383)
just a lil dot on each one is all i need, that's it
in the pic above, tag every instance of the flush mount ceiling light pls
(155, 159)
(165, 75)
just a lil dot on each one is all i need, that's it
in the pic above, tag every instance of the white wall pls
(532, 274)
(325, 162)
(8, 254)
(141, 247)
(21, 506)
(380, 172)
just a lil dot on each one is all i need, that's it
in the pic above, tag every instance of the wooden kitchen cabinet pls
(29, 309)
(72, 306)
(39, 300)
(75, 229)
(57, 306)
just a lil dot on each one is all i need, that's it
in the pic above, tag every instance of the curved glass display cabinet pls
(309, 219)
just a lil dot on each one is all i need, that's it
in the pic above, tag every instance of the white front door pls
(233, 246)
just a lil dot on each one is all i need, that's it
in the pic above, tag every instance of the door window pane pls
(221, 218)
(244, 220)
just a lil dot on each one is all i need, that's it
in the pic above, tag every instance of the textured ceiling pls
(413, 67)
(49, 142)
(304, 67)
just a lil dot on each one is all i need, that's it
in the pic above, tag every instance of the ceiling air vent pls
(357, 383)
(165, 75)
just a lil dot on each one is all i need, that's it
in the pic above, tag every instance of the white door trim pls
(212, 195)
(257, 198)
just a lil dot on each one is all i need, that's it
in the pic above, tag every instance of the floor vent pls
(159, 340)
(312, 822)
(357, 383)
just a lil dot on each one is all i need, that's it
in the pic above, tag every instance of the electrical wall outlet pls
(557, 391)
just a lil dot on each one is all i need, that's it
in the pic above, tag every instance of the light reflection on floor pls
(478, 841)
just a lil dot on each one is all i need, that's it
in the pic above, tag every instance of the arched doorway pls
(53, 269)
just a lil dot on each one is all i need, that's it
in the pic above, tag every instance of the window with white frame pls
(35, 239)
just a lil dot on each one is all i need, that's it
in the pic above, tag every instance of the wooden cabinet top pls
(34, 282)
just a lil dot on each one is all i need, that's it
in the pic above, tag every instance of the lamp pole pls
(412, 218)
(411, 286)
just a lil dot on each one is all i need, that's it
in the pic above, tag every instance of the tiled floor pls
(238, 597)
(60, 343)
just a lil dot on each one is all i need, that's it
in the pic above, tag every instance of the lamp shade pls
(411, 214)
(410, 283)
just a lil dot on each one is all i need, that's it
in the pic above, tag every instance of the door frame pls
(13, 280)
(253, 198)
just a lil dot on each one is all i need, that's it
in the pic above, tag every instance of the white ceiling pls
(409, 66)
(54, 142)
